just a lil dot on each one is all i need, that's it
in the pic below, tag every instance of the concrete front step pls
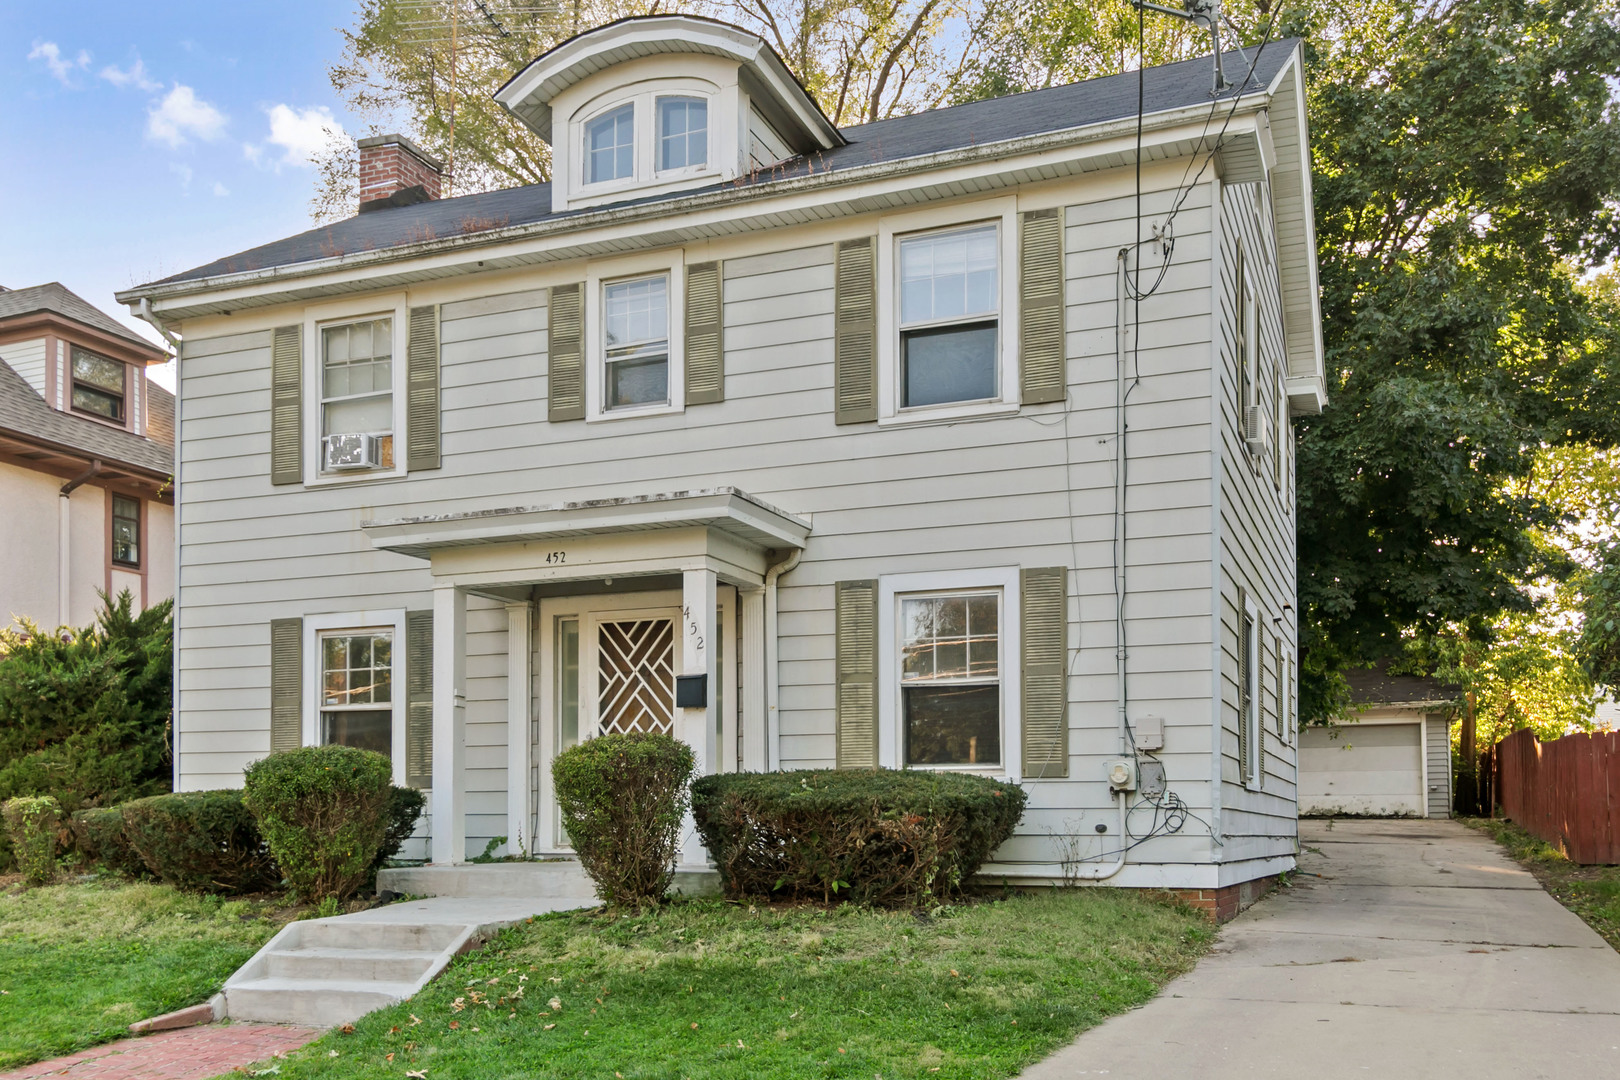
(551, 879)
(312, 1002)
(376, 965)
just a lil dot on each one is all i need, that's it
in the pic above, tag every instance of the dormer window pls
(610, 146)
(683, 133)
(98, 385)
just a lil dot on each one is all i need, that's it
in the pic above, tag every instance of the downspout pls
(773, 726)
(1108, 870)
(145, 313)
(64, 536)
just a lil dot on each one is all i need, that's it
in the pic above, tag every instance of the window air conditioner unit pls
(352, 452)
(1255, 435)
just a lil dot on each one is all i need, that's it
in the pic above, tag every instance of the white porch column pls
(699, 596)
(449, 724)
(518, 749)
(751, 715)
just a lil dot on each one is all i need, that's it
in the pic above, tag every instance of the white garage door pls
(1375, 769)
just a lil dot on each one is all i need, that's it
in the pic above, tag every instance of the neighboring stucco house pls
(821, 423)
(1392, 760)
(86, 452)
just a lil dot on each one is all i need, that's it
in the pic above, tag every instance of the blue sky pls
(144, 139)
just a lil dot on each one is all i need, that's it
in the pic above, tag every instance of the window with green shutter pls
(1043, 684)
(286, 684)
(419, 699)
(1040, 318)
(705, 344)
(287, 405)
(565, 354)
(855, 332)
(856, 708)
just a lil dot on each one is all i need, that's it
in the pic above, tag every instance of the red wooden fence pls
(1567, 791)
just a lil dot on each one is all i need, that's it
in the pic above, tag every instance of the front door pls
(607, 665)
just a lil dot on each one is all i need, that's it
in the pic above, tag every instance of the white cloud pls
(61, 67)
(220, 190)
(183, 171)
(182, 116)
(135, 75)
(300, 134)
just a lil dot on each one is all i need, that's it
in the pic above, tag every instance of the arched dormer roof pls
(773, 89)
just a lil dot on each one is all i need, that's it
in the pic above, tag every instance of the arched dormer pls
(661, 103)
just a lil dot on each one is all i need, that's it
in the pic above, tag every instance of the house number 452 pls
(556, 556)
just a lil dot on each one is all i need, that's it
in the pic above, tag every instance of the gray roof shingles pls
(24, 412)
(58, 298)
(1376, 686)
(1060, 108)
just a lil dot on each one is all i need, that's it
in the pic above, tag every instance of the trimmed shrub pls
(883, 836)
(32, 822)
(324, 811)
(98, 833)
(205, 841)
(405, 805)
(623, 798)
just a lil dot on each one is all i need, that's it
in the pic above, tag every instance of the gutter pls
(773, 719)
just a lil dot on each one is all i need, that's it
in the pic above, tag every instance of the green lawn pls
(1592, 892)
(80, 962)
(712, 990)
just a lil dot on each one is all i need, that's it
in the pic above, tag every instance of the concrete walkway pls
(1404, 949)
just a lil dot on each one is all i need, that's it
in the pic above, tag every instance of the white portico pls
(609, 602)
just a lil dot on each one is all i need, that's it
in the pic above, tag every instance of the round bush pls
(623, 798)
(878, 836)
(205, 841)
(324, 811)
(98, 833)
(32, 822)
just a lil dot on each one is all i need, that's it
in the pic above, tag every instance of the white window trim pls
(392, 306)
(644, 169)
(891, 588)
(1254, 728)
(685, 172)
(599, 274)
(392, 619)
(1003, 212)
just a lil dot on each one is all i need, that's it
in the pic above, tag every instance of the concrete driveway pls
(1404, 949)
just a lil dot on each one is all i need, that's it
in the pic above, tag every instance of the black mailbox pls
(691, 691)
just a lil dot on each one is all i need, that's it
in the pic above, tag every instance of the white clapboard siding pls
(27, 358)
(1034, 488)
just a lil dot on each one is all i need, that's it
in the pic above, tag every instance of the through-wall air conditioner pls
(1255, 423)
(351, 452)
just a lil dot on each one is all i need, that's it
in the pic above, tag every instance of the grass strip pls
(81, 962)
(714, 990)
(1592, 892)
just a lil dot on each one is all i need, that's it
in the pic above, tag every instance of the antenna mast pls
(1206, 13)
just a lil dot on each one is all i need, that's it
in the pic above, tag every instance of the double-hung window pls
(98, 385)
(357, 380)
(635, 345)
(950, 307)
(610, 146)
(683, 133)
(950, 678)
(357, 672)
(126, 530)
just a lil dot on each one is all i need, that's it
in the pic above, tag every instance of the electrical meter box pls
(1121, 774)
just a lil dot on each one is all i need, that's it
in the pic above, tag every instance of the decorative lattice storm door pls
(635, 676)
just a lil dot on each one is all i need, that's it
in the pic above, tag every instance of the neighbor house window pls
(126, 530)
(950, 678)
(635, 346)
(357, 378)
(610, 146)
(357, 675)
(98, 385)
(683, 133)
(950, 302)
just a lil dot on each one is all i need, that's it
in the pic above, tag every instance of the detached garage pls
(1392, 760)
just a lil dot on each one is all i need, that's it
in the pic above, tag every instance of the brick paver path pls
(188, 1054)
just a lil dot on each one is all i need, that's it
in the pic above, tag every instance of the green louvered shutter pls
(705, 347)
(565, 354)
(419, 699)
(1245, 660)
(856, 645)
(1040, 307)
(286, 684)
(1043, 641)
(287, 406)
(855, 346)
(422, 390)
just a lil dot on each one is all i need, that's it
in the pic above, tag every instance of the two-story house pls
(86, 450)
(952, 441)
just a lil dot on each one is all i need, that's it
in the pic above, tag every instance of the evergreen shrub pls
(32, 822)
(324, 811)
(405, 805)
(623, 798)
(98, 833)
(204, 841)
(877, 836)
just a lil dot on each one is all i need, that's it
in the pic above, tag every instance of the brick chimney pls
(396, 172)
